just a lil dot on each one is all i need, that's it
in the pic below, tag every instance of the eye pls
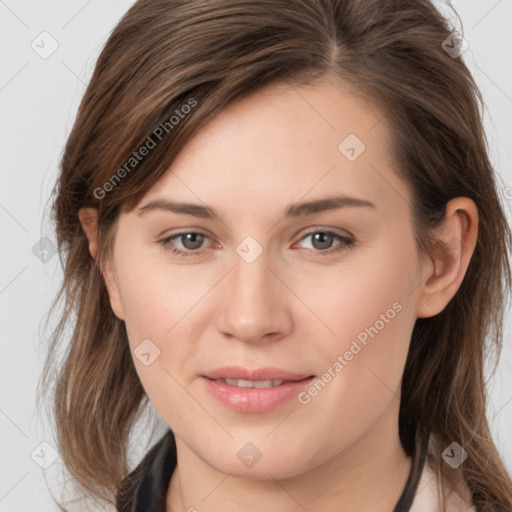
(322, 241)
(191, 241)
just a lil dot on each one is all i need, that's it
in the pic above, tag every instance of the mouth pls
(260, 384)
(240, 373)
(254, 390)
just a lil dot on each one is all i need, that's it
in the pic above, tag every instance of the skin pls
(293, 307)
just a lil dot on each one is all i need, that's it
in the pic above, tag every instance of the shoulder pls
(427, 497)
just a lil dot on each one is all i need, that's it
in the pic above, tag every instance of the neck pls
(367, 476)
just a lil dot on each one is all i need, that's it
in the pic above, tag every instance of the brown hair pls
(164, 54)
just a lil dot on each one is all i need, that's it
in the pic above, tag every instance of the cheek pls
(363, 362)
(370, 312)
(163, 303)
(155, 294)
(369, 295)
(155, 303)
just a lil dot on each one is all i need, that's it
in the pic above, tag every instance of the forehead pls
(284, 143)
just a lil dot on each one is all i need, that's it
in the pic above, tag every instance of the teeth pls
(251, 383)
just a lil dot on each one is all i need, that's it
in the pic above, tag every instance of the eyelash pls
(345, 243)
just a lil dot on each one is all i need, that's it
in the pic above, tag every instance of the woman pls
(281, 226)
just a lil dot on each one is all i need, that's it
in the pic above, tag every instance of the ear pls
(89, 220)
(456, 241)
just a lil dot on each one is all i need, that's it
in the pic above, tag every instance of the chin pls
(246, 464)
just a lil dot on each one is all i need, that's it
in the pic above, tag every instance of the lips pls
(257, 374)
(254, 390)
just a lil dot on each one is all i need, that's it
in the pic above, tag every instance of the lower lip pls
(254, 399)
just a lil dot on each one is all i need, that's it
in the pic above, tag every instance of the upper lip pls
(255, 374)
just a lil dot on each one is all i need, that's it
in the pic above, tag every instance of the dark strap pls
(145, 488)
(406, 499)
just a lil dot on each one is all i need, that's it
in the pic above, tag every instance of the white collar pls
(426, 498)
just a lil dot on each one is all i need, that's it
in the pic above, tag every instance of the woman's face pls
(278, 274)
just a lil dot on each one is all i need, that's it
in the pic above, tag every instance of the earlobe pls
(451, 254)
(89, 220)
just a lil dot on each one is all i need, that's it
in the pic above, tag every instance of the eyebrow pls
(293, 211)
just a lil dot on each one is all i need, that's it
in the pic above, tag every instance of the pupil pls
(196, 240)
(321, 237)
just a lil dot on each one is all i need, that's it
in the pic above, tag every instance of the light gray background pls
(38, 102)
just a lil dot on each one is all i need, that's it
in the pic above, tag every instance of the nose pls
(254, 303)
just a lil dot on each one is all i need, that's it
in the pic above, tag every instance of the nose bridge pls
(251, 279)
(253, 305)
